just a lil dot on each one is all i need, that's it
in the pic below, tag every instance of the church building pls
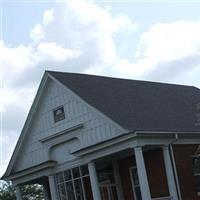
(91, 137)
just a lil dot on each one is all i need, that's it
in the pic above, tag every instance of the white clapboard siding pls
(96, 127)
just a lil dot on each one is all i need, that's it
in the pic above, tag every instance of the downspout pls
(174, 165)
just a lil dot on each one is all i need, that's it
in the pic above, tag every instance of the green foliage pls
(29, 192)
(7, 192)
(32, 192)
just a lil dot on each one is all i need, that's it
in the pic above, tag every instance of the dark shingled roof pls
(137, 105)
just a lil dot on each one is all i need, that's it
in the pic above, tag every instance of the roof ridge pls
(120, 78)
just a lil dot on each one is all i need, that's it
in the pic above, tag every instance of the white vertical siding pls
(96, 127)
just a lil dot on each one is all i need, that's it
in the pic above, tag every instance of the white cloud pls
(16, 61)
(51, 51)
(8, 145)
(89, 13)
(167, 51)
(101, 25)
(48, 16)
(80, 35)
(171, 41)
(12, 100)
(124, 22)
(6, 97)
(37, 33)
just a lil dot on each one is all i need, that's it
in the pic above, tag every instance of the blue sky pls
(19, 17)
(155, 41)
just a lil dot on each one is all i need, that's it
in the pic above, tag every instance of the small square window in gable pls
(59, 114)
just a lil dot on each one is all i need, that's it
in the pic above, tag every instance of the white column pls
(169, 173)
(18, 192)
(118, 180)
(142, 175)
(94, 181)
(52, 187)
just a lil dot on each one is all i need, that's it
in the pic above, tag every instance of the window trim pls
(72, 180)
(63, 117)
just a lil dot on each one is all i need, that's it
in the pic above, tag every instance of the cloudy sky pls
(148, 40)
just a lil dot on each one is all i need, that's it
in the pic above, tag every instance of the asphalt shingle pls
(137, 105)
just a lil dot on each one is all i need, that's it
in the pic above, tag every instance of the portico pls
(106, 154)
(101, 178)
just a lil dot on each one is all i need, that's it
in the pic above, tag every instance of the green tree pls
(29, 192)
(32, 192)
(7, 192)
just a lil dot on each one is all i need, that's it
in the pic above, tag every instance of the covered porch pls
(124, 168)
(131, 174)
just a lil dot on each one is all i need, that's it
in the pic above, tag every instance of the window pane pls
(196, 165)
(138, 193)
(197, 183)
(87, 187)
(76, 172)
(70, 190)
(84, 170)
(67, 175)
(59, 178)
(62, 192)
(104, 193)
(59, 114)
(78, 189)
(113, 191)
(105, 173)
(135, 176)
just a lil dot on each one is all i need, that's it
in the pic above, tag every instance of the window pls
(105, 173)
(59, 114)
(196, 164)
(106, 179)
(135, 183)
(74, 184)
(196, 170)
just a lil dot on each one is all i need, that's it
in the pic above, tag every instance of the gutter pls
(177, 134)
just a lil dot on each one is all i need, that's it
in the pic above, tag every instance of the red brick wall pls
(183, 160)
(156, 173)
